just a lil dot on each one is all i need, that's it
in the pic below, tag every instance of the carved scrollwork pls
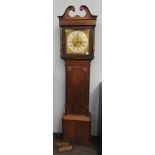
(66, 13)
(88, 15)
(85, 8)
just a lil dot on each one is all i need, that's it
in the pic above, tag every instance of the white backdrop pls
(26, 76)
(59, 66)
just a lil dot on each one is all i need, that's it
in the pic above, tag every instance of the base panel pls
(77, 129)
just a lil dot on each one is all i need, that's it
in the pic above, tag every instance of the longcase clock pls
(77, 50)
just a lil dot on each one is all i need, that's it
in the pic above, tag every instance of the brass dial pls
(77, 41)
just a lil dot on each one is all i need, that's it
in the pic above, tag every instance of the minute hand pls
(77, 37)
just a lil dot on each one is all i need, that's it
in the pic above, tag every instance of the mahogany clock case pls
(77, 119)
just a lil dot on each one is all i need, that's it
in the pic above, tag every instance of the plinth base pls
(77, 129)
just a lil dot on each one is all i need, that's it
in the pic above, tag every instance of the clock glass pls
(77, 41)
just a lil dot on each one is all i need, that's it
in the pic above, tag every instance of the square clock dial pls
(77, 41)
